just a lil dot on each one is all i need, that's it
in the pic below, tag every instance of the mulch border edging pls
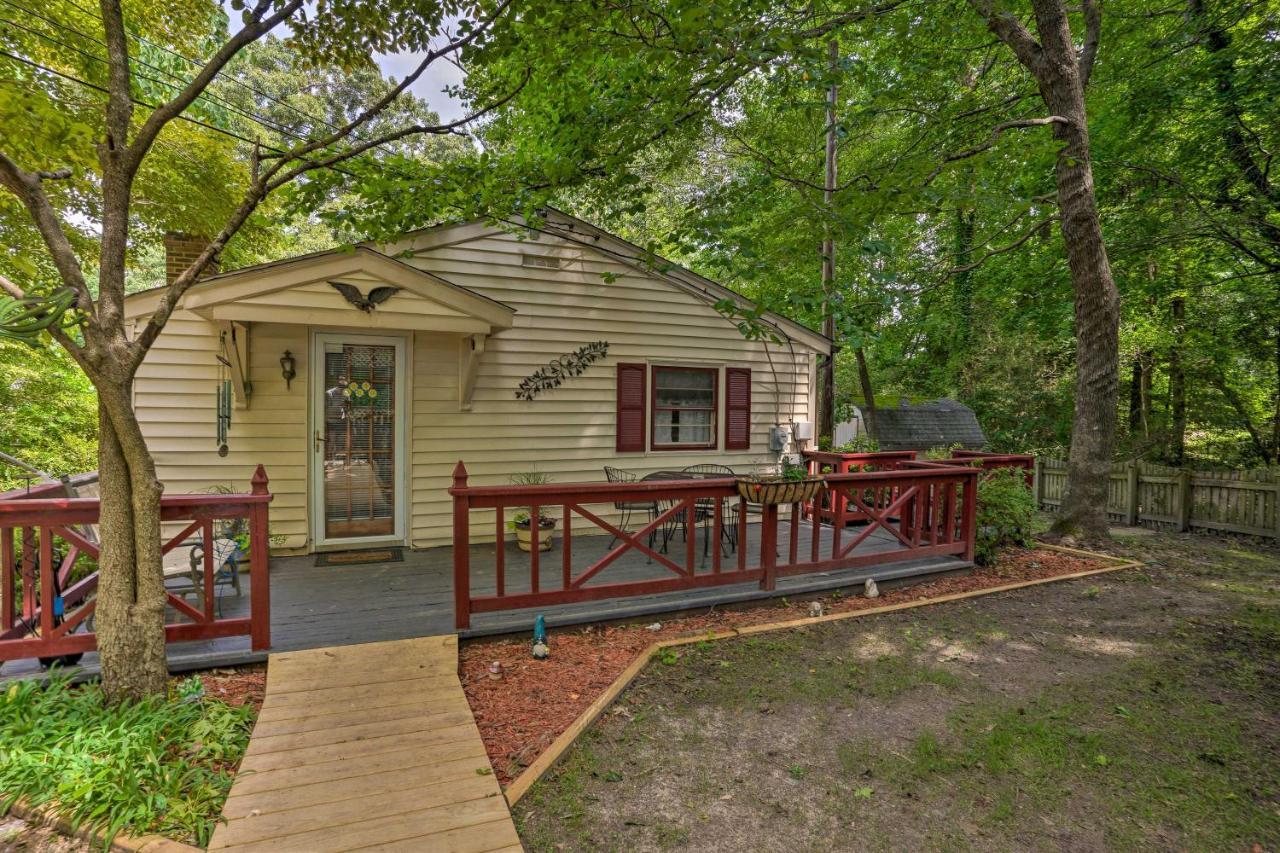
(120, 844)
(553, 753)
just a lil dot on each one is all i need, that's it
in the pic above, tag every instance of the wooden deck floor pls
(320, 606)
(366, 746)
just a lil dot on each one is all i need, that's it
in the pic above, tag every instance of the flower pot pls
(768, 491)
(546, 537)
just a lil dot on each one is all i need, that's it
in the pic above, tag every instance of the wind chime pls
(224, 400)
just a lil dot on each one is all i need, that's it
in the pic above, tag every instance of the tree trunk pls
(1097, 322)
(964, 230)
(1135, 398)
(827, 411)
(1242, 411)
(129, 618)
(1061, 73)
(868, 393)
(1275, 405)
(1177, 383)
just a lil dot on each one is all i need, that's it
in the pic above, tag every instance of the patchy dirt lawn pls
(1136, 710)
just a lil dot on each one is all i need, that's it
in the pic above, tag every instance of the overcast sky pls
(430, 86)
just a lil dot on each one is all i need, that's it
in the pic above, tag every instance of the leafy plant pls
(939, 453)
(163, 765)
(792, 472)
(1006, 508)
(521, 519)
(863, 443)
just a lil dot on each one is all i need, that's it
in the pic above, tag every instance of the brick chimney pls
(180, 250)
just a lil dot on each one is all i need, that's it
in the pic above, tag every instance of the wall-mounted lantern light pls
(288, 368)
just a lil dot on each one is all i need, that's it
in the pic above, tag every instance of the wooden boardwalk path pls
(366, 747)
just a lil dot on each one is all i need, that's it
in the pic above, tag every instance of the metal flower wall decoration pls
(562, 368)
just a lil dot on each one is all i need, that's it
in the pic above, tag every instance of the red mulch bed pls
(534, 701)
(244, 685)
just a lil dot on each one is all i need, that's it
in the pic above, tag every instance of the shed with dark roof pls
(920, 426)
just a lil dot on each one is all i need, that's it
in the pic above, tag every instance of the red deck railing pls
(985, 462)
(831, 502)
(924, 512)
(32, 524)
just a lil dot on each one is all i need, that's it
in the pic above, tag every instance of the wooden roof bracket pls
(470, 349)
(235, 346)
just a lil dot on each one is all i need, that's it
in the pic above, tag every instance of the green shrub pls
(860, 444)
(1006, 509)
(163, 765)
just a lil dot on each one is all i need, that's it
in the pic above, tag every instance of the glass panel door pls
(359, 440)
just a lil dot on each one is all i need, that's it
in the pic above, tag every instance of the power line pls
(137, 101)
(198, 64)
(206, 94)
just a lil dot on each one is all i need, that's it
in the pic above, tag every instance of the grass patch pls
(161, 766)
(799, 667)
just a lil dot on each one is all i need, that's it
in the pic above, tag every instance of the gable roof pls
(572, 229)
(255, 285)
(920, 426)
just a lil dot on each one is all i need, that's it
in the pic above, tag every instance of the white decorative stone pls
(872, 591)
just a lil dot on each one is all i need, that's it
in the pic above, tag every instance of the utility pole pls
(827, 407)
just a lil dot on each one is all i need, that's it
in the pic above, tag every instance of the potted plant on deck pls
(792, 485)
(522, 522)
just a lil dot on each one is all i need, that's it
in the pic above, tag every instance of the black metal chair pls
(626, 508)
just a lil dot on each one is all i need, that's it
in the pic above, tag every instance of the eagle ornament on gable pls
(376, 297)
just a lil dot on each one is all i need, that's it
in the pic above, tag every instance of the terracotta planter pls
(775, 491)
(546, 538)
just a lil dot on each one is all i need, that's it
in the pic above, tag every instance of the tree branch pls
(301, 151)
(992, 140)
(26, 186)
(278, 175)
(1023, 238)
(1012, 32)
(259, 25)
(1092, 32)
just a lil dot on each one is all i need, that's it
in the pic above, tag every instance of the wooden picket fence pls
(1165, 498)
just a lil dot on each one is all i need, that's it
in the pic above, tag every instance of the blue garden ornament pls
(540, 648)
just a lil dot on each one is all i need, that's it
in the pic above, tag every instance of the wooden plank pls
(496, 835)
(329, 700)
(419, 824)
(386, 778)
(327, 716)
(272, 820)
(354, 729)
(361, 764)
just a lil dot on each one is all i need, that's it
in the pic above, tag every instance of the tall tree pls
(107, 160)
(1061, 77)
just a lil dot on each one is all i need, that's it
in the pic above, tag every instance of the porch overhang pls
(259, 295)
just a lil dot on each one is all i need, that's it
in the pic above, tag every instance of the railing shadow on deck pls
(923, 513)
(44, 607)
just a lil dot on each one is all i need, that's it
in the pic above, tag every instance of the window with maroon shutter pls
(631, 406)
(737, 408)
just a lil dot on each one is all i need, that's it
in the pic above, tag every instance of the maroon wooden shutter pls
(737, 408)
(631, 405)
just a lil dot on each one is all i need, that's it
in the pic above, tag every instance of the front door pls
(358, 444)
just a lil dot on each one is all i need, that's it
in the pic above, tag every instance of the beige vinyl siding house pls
(480, 308)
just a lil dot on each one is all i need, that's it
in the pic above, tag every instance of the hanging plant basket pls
(773, 490)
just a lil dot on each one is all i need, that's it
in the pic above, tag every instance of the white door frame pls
(316, 410)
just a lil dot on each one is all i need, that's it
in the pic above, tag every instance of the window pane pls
(684, 388)
(682, 427)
